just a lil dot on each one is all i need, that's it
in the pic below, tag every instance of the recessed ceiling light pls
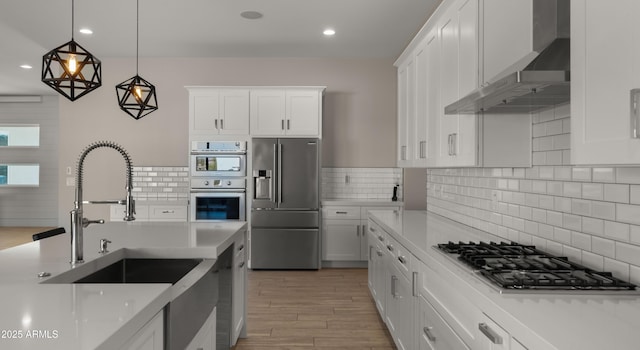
(25, 66)
(329, 32)
(251, 14)
(86, 31)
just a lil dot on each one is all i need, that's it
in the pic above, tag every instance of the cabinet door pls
(234, 112)
(507, 37)
(399, 314)
(605, 67)
(205, 111)
(341, 240)
(404, 148)
(419, 127)
(267, 111)
(303, 112)
(150, 337)
(434, 108)
(458, 33)
(239, 295)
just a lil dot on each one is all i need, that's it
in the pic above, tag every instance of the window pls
(19, 135)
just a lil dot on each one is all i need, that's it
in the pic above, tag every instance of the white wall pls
(359, 120)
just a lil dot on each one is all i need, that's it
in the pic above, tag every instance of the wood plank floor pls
(325, 309)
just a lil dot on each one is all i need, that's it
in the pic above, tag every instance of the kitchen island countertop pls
(94, 316)
(565, 321)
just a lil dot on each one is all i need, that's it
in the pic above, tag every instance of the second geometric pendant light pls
(137, 96)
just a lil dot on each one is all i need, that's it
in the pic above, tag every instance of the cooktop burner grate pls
(514, 266)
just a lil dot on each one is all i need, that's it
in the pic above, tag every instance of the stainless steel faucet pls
(78, 222)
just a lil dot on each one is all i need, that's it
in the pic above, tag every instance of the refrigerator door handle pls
(280, 200)
(274, 182)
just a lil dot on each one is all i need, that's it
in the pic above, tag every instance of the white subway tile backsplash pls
(362, 183)
(593, 191)
(572, 189)
(604, 175)
(572, 222)
(619, 269)
(604, 247)
(593, 261)
(628, 175)
(616, 230)
(561, 235)
(603, 210)
(628, 253)
(634, 195)
(616, 193)
(581, 240)
(628, 213)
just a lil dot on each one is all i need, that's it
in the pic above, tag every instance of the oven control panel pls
(217, 183)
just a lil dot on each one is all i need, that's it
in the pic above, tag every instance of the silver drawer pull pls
(390, 247)
(168, 211)
(241, 265)
(427, 332)
(402, 260)
(380, 238)
(341, 212)
(379, 252)
(489, 333)
(241, 247)
(394, 279)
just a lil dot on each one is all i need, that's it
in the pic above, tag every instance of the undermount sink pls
(137, 270)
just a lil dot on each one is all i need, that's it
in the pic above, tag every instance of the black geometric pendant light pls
(70, 69)
(137, 96)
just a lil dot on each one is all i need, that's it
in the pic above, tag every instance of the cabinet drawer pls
(364, 211)
(167, 213)
(402, 258)
(435, 331)
(341, 213)
(376, 231)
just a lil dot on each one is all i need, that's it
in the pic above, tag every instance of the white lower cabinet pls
(238, 307)
(344, 232)
(428, 306)
(205, 339)
(150, 337)
(145, 212)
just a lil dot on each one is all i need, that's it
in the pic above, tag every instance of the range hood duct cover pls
(543, 83)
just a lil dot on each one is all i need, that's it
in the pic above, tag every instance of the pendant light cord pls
(137, 32)
(72, 18)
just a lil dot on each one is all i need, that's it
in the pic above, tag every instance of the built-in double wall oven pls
(218, 184)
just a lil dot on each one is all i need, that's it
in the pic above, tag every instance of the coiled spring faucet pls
(78, 222)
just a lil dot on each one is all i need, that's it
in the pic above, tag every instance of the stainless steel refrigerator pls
(285, 215)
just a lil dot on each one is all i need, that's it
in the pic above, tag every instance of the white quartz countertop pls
(94, 316)
(565, 321)
(361, 203)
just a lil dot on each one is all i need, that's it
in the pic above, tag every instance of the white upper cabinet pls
(219, 111)
(605, 69)
(405, 118)
(286, 112)
(458, 36)
(507, 40)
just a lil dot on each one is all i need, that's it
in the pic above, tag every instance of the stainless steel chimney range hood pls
(543, 83)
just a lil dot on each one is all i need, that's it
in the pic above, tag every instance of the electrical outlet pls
(71, 181)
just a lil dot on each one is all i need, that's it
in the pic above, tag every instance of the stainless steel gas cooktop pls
(515, 267)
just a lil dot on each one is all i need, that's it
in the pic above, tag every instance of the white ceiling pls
(202, 28)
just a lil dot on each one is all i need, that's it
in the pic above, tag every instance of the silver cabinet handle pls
(489, 333)
(380, 238)
(221, 124)
(215, 123)
(370, 253)
(423, 149)
(414, 283)
(449, 137)
(274, 183)
(358, 231)
(389, 247)
(241, 265)
(282, 124)
(379, 252)
(372, 229)
(341, 212)
(634, 115)
(168, 211)
(240, 247)
(454, 141)
(288, 124)
(280, 148)
(394, 279)
(402, 259)
(428, 334)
